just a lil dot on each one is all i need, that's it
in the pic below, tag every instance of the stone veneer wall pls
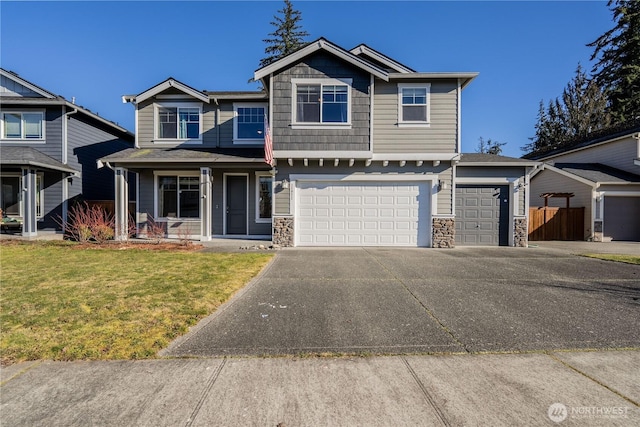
(444, 233)
(520, 233)
(282, 231)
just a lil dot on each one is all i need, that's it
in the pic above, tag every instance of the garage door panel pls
(482, 215)
(363, 213)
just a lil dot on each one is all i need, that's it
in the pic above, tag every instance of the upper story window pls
(248, 126)
(413, 104)
(178, 122)
(321, 102)
(23, 125)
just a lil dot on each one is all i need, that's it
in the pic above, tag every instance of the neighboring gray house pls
(603, 173)
(48, 152)
(367, 153)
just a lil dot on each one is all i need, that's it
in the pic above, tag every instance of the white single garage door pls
(362, 213)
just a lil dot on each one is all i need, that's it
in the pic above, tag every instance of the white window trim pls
(156, 195)
(257, 197)
(414, 124)
(40, 140)
(173, 141)
(40, 180)
(322, 82)
(246, 141)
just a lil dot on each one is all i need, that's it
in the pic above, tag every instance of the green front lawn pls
(629, 259)
(62, 301)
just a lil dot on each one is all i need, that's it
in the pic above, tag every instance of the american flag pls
(268, 143)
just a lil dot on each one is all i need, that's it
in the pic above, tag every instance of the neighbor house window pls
(178, 122)
(178, 196)
(264, 193)
(23, 125)
(413, 105)
(11, 195)
(249, 123)
(322, 101)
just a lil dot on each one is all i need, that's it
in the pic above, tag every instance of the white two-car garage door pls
(363, 213)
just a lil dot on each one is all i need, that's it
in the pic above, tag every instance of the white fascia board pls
(364, 49)
(502, 164)
(586, 147)
(26, 84)
(358, 177)
(314, 47)
(416, 156)
(168, 84)
(464, 76)
(572, 176)
(488, 180)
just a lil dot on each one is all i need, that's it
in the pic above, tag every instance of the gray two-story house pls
(367, 152)
(48, 152)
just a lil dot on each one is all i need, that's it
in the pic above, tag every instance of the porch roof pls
(28, 156)
(599, 173)
(186, 155)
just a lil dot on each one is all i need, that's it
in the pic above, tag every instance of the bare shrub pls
(184, 235)
(85, 223)
(155, 230)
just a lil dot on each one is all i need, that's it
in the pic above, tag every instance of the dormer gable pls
(382, 61)
(12, 85)
(326, 46)
(166, 86)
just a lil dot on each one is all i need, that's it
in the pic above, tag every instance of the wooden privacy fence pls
(550, 223)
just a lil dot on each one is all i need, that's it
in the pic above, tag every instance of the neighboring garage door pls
(482, 215)
(362, 214)
(622, 218)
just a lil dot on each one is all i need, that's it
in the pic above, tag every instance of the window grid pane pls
(12, 125)
(32, 125)
(189, 123)
(308, 104)
(167, 120)
(334, 104)
(250, 122)
(414, 104)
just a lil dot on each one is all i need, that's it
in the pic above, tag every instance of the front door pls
(236, 209)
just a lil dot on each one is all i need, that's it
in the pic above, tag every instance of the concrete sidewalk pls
(588, 388)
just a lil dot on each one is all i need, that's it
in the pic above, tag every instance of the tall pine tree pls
(287, 37)
(618, 60)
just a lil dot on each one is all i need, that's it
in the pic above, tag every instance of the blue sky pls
(99, 51)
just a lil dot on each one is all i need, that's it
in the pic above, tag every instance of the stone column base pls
(444, 233)
(283, 231)
(520, 233)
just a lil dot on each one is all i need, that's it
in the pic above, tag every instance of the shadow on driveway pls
(398, 301)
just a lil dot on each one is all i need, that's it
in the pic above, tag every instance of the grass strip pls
(60, 302)
(628, 259)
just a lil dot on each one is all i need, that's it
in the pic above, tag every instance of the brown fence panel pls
(552, 223)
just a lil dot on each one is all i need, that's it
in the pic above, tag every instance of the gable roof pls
(485, 159)
(364, 50)
(603, 136)
(327, 46)
(32, 87)
(29, 156)
(598, 173)
(161, 87)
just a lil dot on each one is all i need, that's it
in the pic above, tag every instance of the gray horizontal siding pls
(617, 154)
(321, 65)
(439, 137)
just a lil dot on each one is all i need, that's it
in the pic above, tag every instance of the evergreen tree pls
(618, 60)
(287, 37)
(489, 146)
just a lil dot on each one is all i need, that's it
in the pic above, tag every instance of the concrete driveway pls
(378, 300)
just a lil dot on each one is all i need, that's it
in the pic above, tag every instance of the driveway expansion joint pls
(589, 377)
(205, 393)
(426, 394)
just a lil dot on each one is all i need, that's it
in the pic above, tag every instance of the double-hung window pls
(178, 122)
(249, 123)
(178, 196)
(413, 104)
(323, 102)
(23, 125)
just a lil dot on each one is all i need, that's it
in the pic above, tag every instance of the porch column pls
(121, 204)
(206, 196)
(29, 197)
